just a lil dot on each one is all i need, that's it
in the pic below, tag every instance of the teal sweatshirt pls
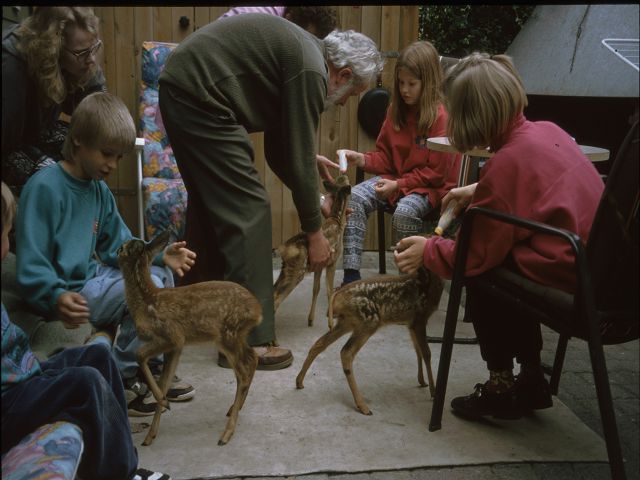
(268, 75)
(62, 224)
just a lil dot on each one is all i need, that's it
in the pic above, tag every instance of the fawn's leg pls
(419, 336)
(153, 347)
(170, 363)
(244, 362)
(288, 279)
(316, 289)
(321, 344)
(347, 354)
(329, 277)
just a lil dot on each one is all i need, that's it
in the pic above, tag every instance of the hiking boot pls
(270, 357)
(179, 391)
(482, 402)
(144, 474)
(533, 392)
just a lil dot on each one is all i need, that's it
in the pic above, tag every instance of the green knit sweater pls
(266, 74)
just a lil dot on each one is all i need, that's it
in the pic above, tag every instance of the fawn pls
(362, 307)
(294, 251)
(166, 319)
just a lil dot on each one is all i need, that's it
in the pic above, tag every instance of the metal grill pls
(624, 48)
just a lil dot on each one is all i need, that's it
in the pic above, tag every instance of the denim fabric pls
(407, 219)
(105, 295)
(82, 386)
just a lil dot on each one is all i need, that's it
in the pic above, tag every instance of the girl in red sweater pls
(409, 177)
(537, 172)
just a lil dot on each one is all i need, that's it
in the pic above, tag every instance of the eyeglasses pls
(83, 55)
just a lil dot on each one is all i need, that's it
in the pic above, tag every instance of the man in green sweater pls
(243, 74)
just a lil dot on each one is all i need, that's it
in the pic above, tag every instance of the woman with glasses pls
(48, 66)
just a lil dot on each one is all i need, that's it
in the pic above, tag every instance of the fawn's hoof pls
(364, 410)
(221, 442)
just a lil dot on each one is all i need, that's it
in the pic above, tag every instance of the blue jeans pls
(82, 386)
(105, 295)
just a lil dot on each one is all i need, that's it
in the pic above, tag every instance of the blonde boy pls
(68, 230)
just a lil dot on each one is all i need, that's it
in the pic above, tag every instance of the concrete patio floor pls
(326, 393)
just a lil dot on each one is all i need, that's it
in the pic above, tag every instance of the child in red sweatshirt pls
(409, 177)
(537, 172)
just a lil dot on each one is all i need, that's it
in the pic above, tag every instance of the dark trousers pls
(228, 211)
(82, 386)
(504, 332)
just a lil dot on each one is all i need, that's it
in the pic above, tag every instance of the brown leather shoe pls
(269, 358)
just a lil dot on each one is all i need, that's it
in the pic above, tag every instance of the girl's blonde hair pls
(421, 59)
(484, 94)
(8, 207)
(100, 122)
(41, 38)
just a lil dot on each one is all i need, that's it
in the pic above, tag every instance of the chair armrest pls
(584, 288)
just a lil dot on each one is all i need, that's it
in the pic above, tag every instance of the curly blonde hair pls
(42, 36)
(422, 61)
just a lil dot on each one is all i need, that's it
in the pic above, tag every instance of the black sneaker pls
(140, 401)
(481, 402)
(533, 392)
(144, 474)
(179, 390)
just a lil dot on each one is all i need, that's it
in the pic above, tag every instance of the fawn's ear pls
(156, 245)
(342, 180)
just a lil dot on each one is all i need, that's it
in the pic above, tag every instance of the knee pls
(98, 354)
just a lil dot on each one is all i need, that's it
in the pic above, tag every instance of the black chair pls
(605, 307)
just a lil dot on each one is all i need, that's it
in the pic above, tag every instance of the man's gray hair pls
(354, 50)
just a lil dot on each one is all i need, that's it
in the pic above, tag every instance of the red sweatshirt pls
(404, 156)
(538, 173)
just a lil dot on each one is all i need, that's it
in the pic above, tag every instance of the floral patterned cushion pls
(52, 451)
(165, 202)
(164, 195)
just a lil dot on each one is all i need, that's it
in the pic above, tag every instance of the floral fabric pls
(51, 452)
(164, 194)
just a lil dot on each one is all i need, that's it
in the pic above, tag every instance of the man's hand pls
(178, 258)
(72, 309)
(319, 251)
(323, 167)
(409, 253)
(385, 188)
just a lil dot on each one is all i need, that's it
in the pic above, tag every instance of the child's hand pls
(178, 258)
(408, 253)
(353, 157)
(462, 195)
(385, 188)
(72, 309)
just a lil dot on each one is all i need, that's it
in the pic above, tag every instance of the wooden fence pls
(123, 29)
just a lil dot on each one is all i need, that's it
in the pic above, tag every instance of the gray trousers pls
(407, 219)
(228, 210)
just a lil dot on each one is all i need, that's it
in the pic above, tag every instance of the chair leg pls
(607, 414)
(382, 259)
(446, 350)
(558, 362)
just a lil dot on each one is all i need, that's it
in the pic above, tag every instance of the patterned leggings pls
(407, 219)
